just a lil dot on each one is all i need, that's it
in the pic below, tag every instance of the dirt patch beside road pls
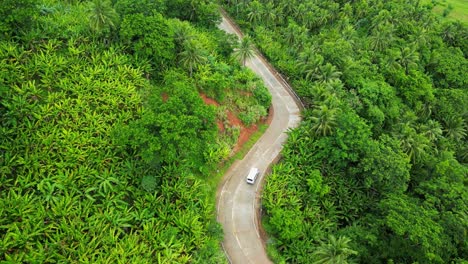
(233, 120)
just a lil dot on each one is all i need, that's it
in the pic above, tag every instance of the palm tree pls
(409, 58)
(255, 12)
(310, 20)
(390, 61)
(102, 16)
(323, 120)
(289, 36)
(269, 14)
(455, 127)
(335, 251)
(182, 34)
(293, 34)
(421, 38)
(288, 7)
(412, 143)
(191, 56)
(312, 67)
(308, 53)
(462, 154)
(432, 130)
(245, 50)
(317, 94)
(384, 17)
(348, 32)
(323, 17)
(381, 37)
(327, 73)
(238, 4)
(299, 12)
(451, 30)
(335, 87)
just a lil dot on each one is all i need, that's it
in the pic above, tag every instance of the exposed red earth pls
(233, 120)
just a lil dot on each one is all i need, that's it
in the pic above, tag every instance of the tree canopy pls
(107, 149)
(385, 89)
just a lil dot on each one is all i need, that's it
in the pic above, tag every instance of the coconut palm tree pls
(409, 58)
(288, 7)
(432, 130)
(334, 251)
(384, 17)
(412, 143)
(381, 37)
(311, 67)
(421, 37)
(455, 127)
(245, 50)
(255, 12)
(182, 34)
(299, 12)
(390, 61)
(238, 4)
(323, 120)
(102, 16)
(270, 14)
(451, 30)
(309, 52)
(327, 73)
(191, 56)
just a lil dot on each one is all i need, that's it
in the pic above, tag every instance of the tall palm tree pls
(451, 30)
(412, 143)
(390, 61)
(270, 14)
(455, 127)
(191, 56)
(384, 17)
(381, 37)
(288, 7)
(323, 120)
(335, 251)
(421, 37)
(327, 73)
(245, 50)
(293, 34)
(182, 34)
(324, 94)
(409, 58)
(309, 52)
(432, 130)
(238, 4)
(312, 67)
(255, 12)
(102, 15)
(299, 12)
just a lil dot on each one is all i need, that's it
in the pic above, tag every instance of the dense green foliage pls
(377, 171)
(16, 16)
(105, 142)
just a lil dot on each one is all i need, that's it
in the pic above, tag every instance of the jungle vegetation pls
(106, 146)
(377, 171)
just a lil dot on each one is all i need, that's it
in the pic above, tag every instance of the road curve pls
(237, 201)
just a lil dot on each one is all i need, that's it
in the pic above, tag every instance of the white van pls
(252, 175)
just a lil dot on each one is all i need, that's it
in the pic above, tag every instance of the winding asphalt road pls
(237, 201)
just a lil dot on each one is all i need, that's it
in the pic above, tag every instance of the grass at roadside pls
(215, 178)
(457, 9)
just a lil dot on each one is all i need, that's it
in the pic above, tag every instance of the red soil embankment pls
(245, 132)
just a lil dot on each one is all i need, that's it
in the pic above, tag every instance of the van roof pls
(252, 173)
